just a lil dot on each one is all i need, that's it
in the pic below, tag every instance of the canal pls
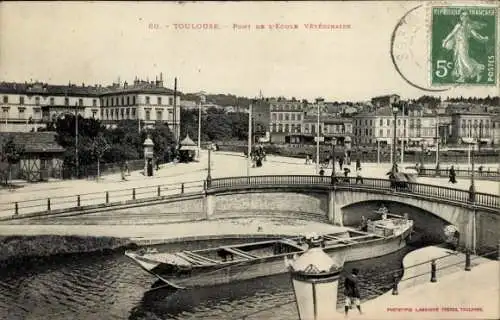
(109, 286)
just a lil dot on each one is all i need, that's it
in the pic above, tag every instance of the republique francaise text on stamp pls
(464, 47)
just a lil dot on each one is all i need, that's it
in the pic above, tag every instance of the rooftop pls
(34, 142)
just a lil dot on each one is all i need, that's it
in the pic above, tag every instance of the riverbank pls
(18, 242)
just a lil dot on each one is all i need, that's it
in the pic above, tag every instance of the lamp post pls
(209, 169)
(315, 277)
(199, 129)
(438, 138)
(334, 142)
(249, 159)
(77, 162)
(472, 189)
(395, 110)
(404, 134)
(317, 140)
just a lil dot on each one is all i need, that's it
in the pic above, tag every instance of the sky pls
(98, 43)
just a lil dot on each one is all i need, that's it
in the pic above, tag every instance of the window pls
(273, 128)
(80, 102)
(159, 115)
(128, 100)
(133, 112)
(51, 101)
(170, 115)
(21, 100)
(107, 114)
(381, 133)
(293, 116)
(280, 116)
(287, 128)
(298, 128)
(170, 100)
(287, 117)
(387, 122)
(123, 101)
(102, 113)
(298, 117)
(122, 113)
(21, 113)
(273, 116)
(381, 122)
(66, 101)
(5, 99)
(94, 102)
(159, 100)
(148, 114)
(147, 100)
(127, 112)
(94, 114)
(280, 127)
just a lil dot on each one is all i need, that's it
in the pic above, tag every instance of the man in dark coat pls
(452, 175)
(351, 291)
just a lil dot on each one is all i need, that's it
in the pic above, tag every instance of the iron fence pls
(444, 172)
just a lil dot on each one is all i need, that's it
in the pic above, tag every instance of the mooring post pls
(78, 200)
(159, 191)
(467, 260)
(133, 194)
(16, 209)
(48, 204)
(395, 285)
(107, 197)
(182, 188)
(433, 271)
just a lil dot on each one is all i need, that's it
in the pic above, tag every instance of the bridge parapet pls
(462, 197)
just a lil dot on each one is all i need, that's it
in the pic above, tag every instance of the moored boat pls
(224, 264)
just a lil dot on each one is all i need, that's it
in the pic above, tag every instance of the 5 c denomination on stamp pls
(464, 48)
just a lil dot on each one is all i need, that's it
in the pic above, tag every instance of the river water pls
(109, 286)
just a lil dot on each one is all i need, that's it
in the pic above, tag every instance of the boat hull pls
(245, 270)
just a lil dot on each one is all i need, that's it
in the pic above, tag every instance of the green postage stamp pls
(464, 47)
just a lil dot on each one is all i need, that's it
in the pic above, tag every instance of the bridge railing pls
(85, 200)
(445, 193)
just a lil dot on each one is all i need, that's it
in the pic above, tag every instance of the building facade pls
(30, 106)
(472, 125)
(414, 127)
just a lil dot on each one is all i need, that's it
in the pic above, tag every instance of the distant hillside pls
(224, 100)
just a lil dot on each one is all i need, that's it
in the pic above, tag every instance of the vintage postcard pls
(249, 160)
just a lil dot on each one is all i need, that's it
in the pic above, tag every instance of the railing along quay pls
(48, 205)
(432, 191)
(486, 173)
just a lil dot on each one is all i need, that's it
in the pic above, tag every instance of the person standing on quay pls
(351, 291)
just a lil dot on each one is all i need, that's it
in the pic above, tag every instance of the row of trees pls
(216, 125)
(116, 145)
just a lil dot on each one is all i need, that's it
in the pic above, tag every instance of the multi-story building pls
(495, 122)
(286, 120)
(414, 127)
(29, 106)
(296, 122)
(471, 125)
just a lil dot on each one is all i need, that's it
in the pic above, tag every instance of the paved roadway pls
(172, 175)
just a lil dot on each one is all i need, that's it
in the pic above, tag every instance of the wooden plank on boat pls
(199, 257)
(191, 260)
(240, 253)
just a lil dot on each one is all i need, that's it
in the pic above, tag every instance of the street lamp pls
(209, 176)
(315, 277)
(472, 189)
(334, 142)
(395, 111)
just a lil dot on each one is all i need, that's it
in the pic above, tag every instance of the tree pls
(99, 147)
(11, 153)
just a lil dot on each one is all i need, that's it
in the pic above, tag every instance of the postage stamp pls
(464, 47)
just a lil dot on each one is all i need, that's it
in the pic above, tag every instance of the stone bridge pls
(318, 198)
(344, 202)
